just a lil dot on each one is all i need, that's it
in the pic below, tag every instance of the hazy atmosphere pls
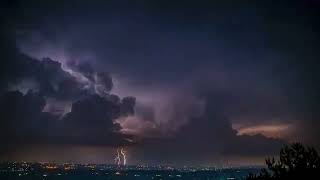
(172, 82)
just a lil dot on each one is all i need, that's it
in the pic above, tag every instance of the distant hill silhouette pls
(295, 162)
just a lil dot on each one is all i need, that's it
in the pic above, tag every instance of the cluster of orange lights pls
(51, 167)
(66, 167)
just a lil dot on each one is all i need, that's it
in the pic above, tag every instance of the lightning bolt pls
(124, 156)
(118, 159)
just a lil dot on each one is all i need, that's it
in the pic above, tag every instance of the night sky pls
(173, 82)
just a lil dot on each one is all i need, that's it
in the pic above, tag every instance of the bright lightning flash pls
(118, 159)
(124, 156)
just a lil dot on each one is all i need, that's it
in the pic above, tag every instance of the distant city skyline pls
(25, 170)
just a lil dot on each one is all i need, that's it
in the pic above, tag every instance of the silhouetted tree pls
(295, 162)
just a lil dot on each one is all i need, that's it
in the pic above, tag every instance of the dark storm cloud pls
(23, 120)
(207, 139)
(103, 83)
(216, 126)
(93, 109)
(89, 122)
(51, 80)
(22, 117)
(54, 82)
(85, 68)
(127, 105)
